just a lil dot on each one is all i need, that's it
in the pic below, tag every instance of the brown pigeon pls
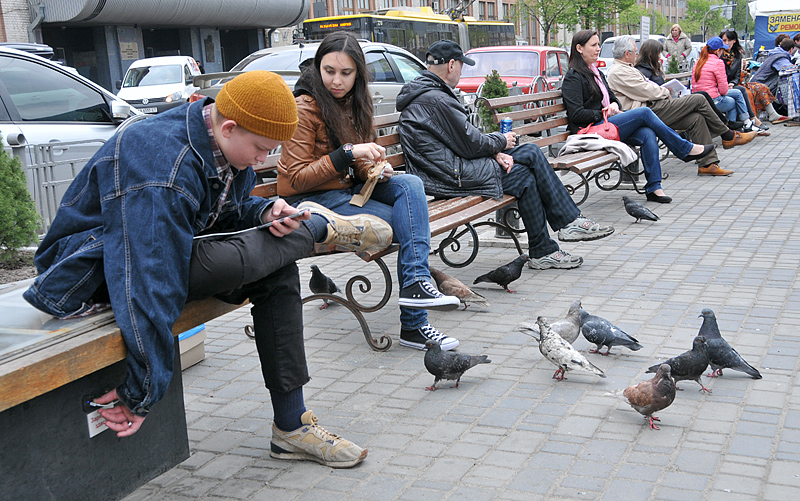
(653, 395)
(452, 286)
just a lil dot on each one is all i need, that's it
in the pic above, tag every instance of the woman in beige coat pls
(677, 45)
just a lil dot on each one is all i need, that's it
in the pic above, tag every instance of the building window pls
(347, 7)
(363, 5)
(482, 11)
(491, 15)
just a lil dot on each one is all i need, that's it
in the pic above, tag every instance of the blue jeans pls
(641, 127)
(542, 198)
(733, 104)
(400, 202)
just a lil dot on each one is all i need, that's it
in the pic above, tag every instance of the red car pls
(515, 63)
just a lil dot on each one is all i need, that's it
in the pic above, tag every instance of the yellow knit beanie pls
(261, 102)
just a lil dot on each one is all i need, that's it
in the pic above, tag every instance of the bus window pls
(397, 37)
(379, 67)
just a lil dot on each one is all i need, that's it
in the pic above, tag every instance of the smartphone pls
(280, 220)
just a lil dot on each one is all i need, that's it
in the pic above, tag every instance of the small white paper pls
(97, 423)
(676, 89)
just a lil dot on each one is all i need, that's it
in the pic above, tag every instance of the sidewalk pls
(512, 432)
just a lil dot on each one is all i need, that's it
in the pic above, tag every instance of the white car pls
(157, 84)
(606, 51)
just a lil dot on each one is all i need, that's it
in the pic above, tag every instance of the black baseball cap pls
(444, 50)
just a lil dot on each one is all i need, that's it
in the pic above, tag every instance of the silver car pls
(390, 67)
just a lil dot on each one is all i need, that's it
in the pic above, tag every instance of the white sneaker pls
(558, 259)
(312, 442)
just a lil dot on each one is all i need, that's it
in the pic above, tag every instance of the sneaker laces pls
(349, 234)
(586, 223)
(432, 333)
(430, 289)
(321, 432)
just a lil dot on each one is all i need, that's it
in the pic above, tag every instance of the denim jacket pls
(128, 219)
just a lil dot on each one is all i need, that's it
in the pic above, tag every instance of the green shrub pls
(493, 87)
(672, 67)
(19, 220)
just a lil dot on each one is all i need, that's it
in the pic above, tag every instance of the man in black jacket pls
(453, 158)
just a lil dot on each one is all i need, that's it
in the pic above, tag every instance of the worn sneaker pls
(423, 295)
(558, 259)
(416, 338)
(361, 232)
(583, 229)
(312, 442)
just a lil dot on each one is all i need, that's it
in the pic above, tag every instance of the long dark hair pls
(649, 54)
(576, 61)
(343, 127)
(733, 40)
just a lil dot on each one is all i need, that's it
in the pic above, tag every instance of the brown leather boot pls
(739, 139)
(713, 170)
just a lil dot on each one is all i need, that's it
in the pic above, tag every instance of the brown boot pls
(739, 138)
(713, 170)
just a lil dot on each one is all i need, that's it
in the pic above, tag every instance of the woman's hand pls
(370, 151)
(387, 173)
(730, 86)
(612, 109)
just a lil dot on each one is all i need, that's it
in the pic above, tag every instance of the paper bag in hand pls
(359, 199)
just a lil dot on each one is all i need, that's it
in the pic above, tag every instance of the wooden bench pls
(543, 116)
(454, 217)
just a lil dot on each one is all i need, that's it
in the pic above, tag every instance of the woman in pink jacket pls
(709, 75)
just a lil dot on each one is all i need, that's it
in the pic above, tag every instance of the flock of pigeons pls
(555, 344)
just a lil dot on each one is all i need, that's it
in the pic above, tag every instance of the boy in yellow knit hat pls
(162, 215)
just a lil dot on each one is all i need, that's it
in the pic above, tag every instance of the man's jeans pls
(401, 202)
(641, 127)
(542, 198)
(733, 105)
(259, 266)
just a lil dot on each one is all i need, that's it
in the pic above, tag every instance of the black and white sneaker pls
(416, 338)
(423, 295)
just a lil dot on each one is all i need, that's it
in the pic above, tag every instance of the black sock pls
(727, 136)
(287, 408)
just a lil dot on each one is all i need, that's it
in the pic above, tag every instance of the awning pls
(214, 13)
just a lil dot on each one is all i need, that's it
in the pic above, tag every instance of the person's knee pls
(410, 182)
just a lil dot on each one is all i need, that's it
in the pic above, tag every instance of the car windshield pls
(143, 76)
(507, 63)
(275, 61)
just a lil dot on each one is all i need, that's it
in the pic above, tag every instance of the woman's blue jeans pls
(641, 127)
(401, 202)
(733, 104)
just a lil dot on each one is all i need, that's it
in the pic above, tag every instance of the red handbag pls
(604, 129)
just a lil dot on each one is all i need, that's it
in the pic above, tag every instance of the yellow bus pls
(414, 30)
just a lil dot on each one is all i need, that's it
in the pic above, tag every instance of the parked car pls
(515, 63)
(157, 84)
(693, 55)
(391, 67)
(606, 50)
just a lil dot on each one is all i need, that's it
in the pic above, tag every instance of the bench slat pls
(547, 141)
(567, 161)
(541, 126)
(530, 113)
(467, 215)
(502, 102)
(607, 159)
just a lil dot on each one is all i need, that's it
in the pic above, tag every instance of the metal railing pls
(50, 169)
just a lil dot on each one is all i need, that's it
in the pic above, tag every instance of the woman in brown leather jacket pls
(330, 157)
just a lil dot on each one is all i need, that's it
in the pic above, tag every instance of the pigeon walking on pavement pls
(449, 364)
(505, 274)
(601, 332)
(568, 327)
(452, 286)
(721, 355)
(321, 284)
(689, 365)
(638, 210)
(555, 349)
(651, 396)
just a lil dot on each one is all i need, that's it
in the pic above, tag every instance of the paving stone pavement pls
(510, 431)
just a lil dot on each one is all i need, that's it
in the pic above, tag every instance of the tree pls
(600, 13)
(696, 10)
(630, 19)
(548, 13)
(741, 20)
(493, 87)
(19, 220)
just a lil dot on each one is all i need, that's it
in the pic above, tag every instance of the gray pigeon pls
(321, 284)
(449, 364)
(568, 328)
(561, 353)
(638, 210)
(651, 396)
(452, 286)
(601, 332)
(689, 364)
(505, 274)
(721, 355)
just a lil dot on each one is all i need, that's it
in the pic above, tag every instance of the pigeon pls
(321, 284)
(689, 364)
(721, 355)
(568, 328)
(601, 332)
(454, 287)
(638, 210)
(449, 364)
(651, 396)
(561, 353)
(505, 274)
